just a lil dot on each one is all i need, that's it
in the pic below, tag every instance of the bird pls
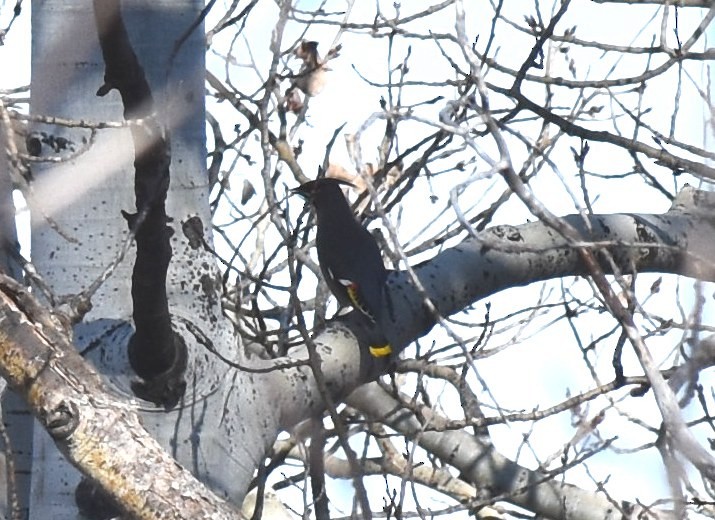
(348, 254)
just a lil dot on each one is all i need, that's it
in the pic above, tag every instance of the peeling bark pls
(96, 430)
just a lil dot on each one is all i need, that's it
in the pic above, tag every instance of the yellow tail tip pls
(380, 351)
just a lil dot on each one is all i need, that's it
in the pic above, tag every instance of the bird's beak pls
(300, 190)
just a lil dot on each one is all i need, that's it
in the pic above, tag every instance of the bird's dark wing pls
(355, 294)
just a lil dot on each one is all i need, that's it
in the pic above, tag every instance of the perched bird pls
(349, 257)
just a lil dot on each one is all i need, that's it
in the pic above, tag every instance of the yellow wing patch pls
(352, 289)
(378, 351)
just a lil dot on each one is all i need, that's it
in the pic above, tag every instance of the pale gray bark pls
(15, 414)
(676, 3)
(511, 256)
(95, 429)
(84, 197)
(499, 258)
(480, 463)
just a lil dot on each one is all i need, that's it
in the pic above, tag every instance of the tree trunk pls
(78, 232)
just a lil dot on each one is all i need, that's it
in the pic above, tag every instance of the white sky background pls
(539, 369)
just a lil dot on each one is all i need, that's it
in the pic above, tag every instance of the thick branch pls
(481, 464)
(512, 256)
(677, 3)
(98, 432)
(497, 259)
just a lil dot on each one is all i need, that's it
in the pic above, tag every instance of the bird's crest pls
(309, 188)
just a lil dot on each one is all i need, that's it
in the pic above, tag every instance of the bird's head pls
(320, 188)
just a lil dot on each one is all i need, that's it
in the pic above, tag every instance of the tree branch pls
(497, 259)
(481, 464)
(97, 431)
(676, 3)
